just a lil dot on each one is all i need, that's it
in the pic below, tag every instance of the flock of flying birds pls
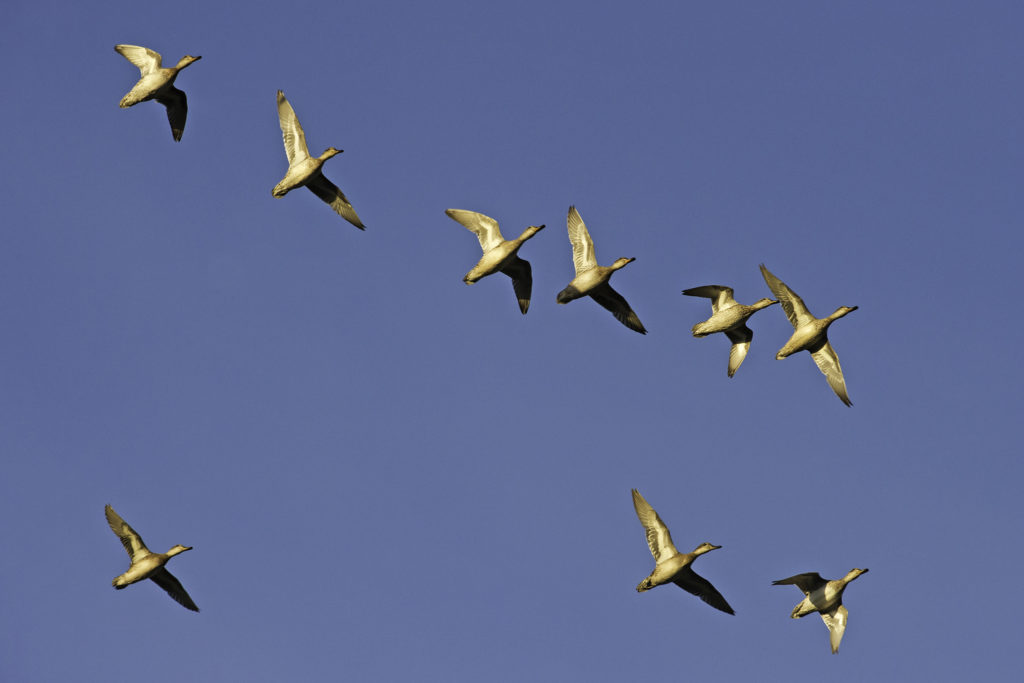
(500, 255)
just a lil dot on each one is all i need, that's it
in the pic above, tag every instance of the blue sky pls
(388, 475)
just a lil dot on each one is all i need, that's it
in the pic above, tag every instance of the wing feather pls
(177, 110)
(721, 297)
(808, 582)
(617, 304)
(792, 304)
(836, 623)
(332, 194)
(695, 584)
(522, 281)
(484, 227)
(828, 362)
(169, 583)
(145, 59)
(659, 540)
(740, 337)
(130, 539)
(583, 256)
(291, 130)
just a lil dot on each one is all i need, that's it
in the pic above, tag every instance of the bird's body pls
(499, 255)
(729, 317)
(157, 83)
(592, 280)
(672, 566)
(146, 564)
(810, 334)
(305, 170)
(824, 597)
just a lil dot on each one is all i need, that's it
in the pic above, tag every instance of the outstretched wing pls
(294, 138)
(130, 538)
(792, 304)
(740, 338)
(147, 60)
(522, 281)
(659, 540)
(166, 580)
(177, 110)
(808, 583)
(721, 297)
(583, 256)
(617, 304)
(828, 362)
(484, 227)
(836, 623)
(332, 194)
(695, 584)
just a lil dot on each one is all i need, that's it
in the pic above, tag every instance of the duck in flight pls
(729, 317)
(157, 83)
(592, 280)
(810, 334)
(146, 564)
(825, 598)
(304, 169)
(500, 255)
(672, 566)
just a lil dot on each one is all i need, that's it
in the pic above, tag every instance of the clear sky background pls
(388, 475)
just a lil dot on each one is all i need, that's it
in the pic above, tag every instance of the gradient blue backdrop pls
(388, 475)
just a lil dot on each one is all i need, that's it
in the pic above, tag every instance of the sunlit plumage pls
(729, 317)
(592, 280)
(500, 255)
(672, 566)
(157, 83)
(810, 334)
(306, 170)
(146, 564)
(824, 597)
